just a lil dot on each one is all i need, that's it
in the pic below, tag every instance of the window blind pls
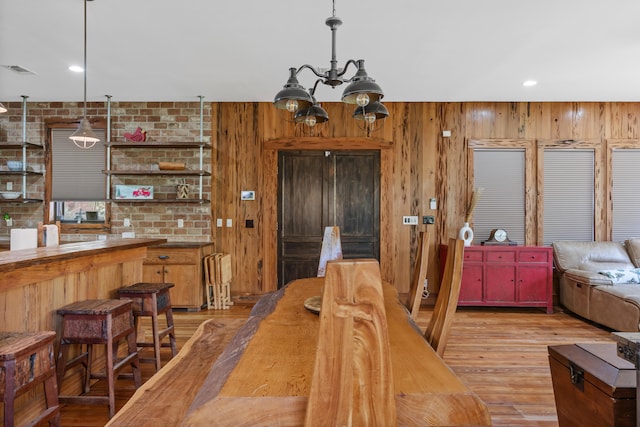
(568, 195)
(502, 203)
(76, 173)
(626, 205)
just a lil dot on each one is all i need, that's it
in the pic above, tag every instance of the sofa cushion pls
(590, 256)
(620, 275)
(633, 248)
(629, 293)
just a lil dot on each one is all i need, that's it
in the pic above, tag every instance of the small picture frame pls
(247, 195)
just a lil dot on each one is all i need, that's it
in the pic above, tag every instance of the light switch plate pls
(410, 220)
(229, 222)
(219, 222)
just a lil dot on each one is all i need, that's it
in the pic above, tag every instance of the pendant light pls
(361, 90)
(84, 137)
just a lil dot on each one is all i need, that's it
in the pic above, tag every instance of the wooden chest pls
(592, 385)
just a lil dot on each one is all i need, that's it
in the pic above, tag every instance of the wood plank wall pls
(417, 165)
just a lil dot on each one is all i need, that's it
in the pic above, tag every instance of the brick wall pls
(163, 122)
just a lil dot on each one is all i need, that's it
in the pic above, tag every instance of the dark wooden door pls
(318, 189)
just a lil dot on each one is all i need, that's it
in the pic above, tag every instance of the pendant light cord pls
(84, 115)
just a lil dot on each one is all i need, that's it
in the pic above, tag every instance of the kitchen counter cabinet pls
(179, 263)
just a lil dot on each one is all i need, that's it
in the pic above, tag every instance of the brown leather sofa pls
(599, 281)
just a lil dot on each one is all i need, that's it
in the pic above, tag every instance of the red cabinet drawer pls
(471, 255)
(501, 256)
(533, 256)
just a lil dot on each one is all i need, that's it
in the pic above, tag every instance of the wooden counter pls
(39, 281)
(34, 283)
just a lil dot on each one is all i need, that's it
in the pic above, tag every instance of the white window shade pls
(501, 175)
(568, 195)
(76, 173)
(626, 203)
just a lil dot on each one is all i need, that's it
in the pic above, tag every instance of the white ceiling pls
(240, 50)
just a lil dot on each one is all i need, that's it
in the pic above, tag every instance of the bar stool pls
(152, 299)
(102, 321)
(27, 360)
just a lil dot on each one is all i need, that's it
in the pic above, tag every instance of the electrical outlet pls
(428, 219)
(219, 222)
(180, 223)
(126, 222)
(410, 220)
(229, 222)
(9, 186)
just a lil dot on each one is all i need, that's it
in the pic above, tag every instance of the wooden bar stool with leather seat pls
(27, 360)
(102, 321)
(152, 299)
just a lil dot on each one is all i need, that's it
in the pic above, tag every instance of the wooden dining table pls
(263, 377)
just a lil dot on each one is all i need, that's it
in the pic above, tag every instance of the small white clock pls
(498, 236)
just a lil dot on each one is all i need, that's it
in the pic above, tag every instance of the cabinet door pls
(152, 273)
(471, 286)
(532, 283)
(500, 285)
(186, 290)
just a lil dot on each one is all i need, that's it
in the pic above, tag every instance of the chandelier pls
(361, 90)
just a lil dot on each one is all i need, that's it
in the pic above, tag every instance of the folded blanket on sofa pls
(620, 275)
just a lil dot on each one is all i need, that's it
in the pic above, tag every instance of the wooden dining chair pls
(437, 332)
(331, 248)
(419, 275)
(352, 381)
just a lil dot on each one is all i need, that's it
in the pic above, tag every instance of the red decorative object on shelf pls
(138, 136)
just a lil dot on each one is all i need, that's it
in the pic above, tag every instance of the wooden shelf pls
(21, 173)
(20, 145)
(185, 172)
(173, 201)
(154, 144)
(20, 200)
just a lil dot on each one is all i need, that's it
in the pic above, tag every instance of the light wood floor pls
(501, 354)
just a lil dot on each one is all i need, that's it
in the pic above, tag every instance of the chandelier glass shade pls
(84, 136)
(360, 90)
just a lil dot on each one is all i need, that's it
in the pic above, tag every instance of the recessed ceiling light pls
(528, 83)
(76, 68)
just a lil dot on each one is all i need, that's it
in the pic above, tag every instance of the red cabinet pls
(508, 276)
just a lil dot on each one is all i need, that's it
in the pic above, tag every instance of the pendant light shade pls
(293, 96)
(84, 137)
(363, 89)
(371, 112)
(3, 109)
(312, 115)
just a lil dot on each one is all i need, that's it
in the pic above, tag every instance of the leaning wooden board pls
(263, 377)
